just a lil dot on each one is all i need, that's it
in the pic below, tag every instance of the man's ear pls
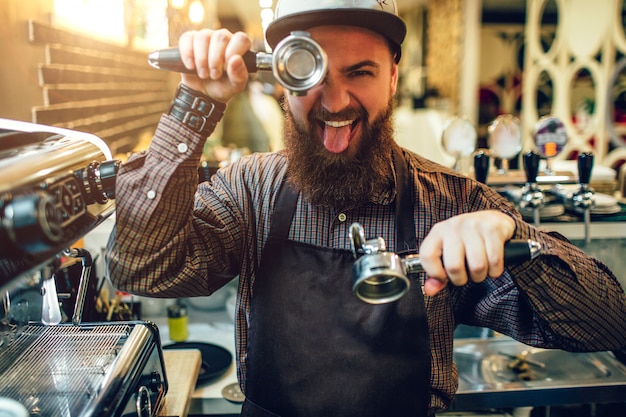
(394, 78)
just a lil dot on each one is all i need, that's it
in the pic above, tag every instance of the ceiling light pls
(196, 12)
(178, 4)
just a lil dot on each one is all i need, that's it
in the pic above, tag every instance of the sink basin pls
(501, 372)
(542, 366)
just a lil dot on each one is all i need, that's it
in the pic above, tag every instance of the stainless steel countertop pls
(487, 378)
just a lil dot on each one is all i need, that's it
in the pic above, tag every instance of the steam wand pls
(87, 263)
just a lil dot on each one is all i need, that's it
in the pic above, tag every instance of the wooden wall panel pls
(98, 87)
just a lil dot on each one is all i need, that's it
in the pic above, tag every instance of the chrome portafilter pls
(298, 62)
(380, 276)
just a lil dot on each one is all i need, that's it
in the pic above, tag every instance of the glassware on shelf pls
(459, 139)
(505, 140)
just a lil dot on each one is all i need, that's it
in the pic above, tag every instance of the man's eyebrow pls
(360, 65)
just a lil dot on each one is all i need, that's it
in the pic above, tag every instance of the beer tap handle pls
(584, 198)
(481, 166)
(531, 166)
(532, 196)
(585, 166)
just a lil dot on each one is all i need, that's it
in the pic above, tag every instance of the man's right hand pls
(216, 56)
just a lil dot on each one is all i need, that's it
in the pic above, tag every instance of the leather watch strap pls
(197, 111)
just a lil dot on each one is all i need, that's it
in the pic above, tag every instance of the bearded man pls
(281, 222)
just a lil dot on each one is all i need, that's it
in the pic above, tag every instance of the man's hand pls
(465, 247)
(216, 55)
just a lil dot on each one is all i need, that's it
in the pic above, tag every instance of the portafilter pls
(380, 276)
(298, 62)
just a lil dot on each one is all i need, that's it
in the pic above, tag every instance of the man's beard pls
(336, 180)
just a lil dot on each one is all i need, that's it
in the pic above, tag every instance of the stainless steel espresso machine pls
(56, 185)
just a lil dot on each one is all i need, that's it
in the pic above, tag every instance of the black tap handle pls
(531, 165)
(481, 166)
(585, 165)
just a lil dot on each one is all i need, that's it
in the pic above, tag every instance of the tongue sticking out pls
(337, 139)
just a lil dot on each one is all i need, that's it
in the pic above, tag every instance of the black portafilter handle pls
(169, 59)
(481, 166)
(531, 166)
(517, 251)
(585, 165)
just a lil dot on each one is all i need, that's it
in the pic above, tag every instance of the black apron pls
(314, 348)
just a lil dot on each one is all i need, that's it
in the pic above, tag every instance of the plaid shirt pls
(174, 238)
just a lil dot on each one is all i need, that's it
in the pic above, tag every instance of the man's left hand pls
(465, 247)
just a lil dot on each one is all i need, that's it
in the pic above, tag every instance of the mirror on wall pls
(617, 105)
(503, 45)
(582, 99)
(545, 94)
(549, 21)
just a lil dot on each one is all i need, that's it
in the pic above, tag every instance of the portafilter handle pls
(380, 276)
(516, 251)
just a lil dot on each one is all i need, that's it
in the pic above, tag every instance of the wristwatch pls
(196, 110)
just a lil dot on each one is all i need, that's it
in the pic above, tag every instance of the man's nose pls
(335, 96)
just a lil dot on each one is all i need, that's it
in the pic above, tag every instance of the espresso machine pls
(56, 185)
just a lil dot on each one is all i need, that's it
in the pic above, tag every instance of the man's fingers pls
(432, 286)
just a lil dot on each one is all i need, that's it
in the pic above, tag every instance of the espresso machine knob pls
(33, 222)
(108, 173)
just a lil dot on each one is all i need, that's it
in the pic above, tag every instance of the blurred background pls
(81, 64)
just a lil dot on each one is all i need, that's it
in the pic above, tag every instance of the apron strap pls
(405, 225)
(284, 209)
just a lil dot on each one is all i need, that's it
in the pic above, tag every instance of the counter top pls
(503, 373)
(208, 327)
(181, 368)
